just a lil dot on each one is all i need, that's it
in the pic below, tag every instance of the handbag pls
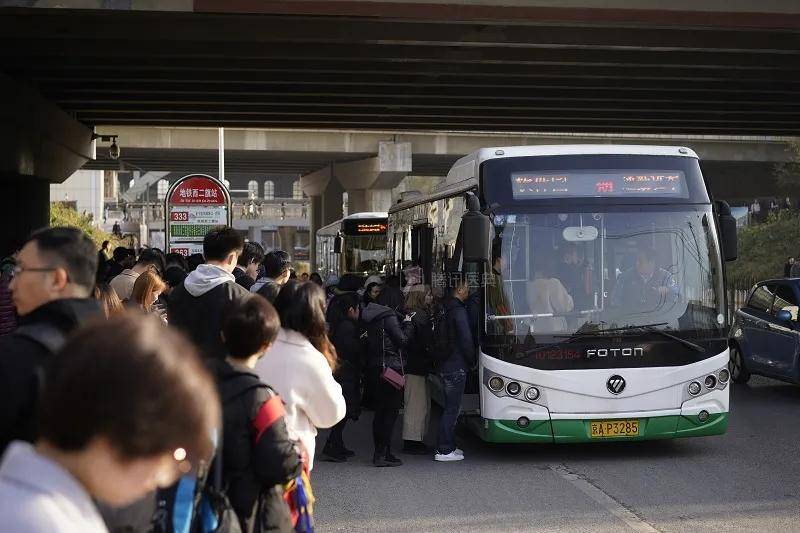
(390, 375)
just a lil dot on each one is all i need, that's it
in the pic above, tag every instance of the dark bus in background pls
(355, 244)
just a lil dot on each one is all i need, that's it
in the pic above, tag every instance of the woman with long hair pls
(417, 395)
(109, 301)
(146, 290)
(300, 364)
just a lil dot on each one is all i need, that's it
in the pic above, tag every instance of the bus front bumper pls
(566, 431)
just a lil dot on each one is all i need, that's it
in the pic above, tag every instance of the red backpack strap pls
(270, 411)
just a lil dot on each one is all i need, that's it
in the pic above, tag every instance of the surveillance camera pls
(113, 150)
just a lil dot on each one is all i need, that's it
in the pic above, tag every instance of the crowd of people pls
(126, 378)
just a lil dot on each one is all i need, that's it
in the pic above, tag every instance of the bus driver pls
(645, 288)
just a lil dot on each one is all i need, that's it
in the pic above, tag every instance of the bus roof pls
(333, 227)
(467, 167)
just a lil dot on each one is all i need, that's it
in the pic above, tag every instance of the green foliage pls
(62, 215)
(763, 248)
(787, 175)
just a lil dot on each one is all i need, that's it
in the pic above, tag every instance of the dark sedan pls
(765, 336)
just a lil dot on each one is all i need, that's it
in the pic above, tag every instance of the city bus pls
(355, 244)
(596, 277)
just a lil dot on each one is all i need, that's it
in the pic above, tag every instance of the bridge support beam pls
(369, 182)
(39, 144)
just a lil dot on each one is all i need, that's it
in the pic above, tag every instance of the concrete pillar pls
(314, 223)
(27, 209)
(369, 181)
(286, 234)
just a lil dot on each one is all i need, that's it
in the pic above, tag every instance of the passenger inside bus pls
(547, 296)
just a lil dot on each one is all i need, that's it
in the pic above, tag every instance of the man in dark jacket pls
(277, 271)
(53, 278)
(246, 270)
(453, 369)
(386, 338)
(196, 307)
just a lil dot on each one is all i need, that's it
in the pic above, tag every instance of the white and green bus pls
(598, 271)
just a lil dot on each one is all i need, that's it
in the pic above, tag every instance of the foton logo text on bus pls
(614, 352)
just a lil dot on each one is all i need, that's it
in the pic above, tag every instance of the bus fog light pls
(532, 394)
(724, 375)
(702, 416)
(523, 421)
(711, 382)
(496, 383)
(694, 388)
(513, 388)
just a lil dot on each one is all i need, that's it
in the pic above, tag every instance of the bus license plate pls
(614, 428)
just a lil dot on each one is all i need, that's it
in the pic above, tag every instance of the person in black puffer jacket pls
(417, 395)
(386, 337)
(345, 335)
(258, 457)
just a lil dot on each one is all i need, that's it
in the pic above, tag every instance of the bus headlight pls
(694, 388)
(513, 388)
(711, 381)
(496, 384)
(724, 375)
(532, 394)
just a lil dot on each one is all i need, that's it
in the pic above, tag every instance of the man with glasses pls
(148, 260)
(53, 280)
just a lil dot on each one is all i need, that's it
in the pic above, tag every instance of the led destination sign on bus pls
(364, 227)
(531, 185)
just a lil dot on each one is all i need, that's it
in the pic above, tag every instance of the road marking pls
(607, 502)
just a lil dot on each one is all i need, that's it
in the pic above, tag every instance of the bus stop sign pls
(195, 204)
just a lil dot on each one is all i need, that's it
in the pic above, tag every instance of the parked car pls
(765, 335)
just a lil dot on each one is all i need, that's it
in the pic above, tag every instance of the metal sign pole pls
(222, 155)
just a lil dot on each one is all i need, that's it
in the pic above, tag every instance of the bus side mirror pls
(727, 229)
(337, 244)
(476, 228)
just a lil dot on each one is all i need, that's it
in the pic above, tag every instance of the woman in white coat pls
(548, 296)
(300, 364)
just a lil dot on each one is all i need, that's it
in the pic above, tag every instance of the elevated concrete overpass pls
(720, 67)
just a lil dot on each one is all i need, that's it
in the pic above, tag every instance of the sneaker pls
(392, 459)
(445, 458)
(412, 447)
(380, 460)
(459, 451)
(347, 453)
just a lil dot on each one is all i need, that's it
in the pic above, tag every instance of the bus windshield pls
(365, 253)
(560, 275)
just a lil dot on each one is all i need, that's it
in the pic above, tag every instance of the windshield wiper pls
(653, 328)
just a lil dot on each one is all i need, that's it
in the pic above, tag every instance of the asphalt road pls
(746, 480)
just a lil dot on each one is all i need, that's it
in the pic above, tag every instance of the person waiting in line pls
(547, 296)
(277, 271)
(120, 260)
(304, 277)
(258, 457)
(645, 287)
(176, 260)
(300, 365)
(98, 438)
(196, 306)
(316, 278)
(453, 369)
(148, 260)
(342, 319)
(417, 395)
(108, 299)
(146, 291)
(386, 338)
(194, 261)
(246, 270)
(8, 314)
(52, 286)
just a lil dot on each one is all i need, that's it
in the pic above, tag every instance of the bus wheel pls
(738, 371)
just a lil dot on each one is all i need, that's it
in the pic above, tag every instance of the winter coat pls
(197, 306)
(418, 359)
(350, 350)
(386, 337)
(459, 332)
(258, 457)
(8, 313)
(242, 278)
(301, 375)
(24, 355)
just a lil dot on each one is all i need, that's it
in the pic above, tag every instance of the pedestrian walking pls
(51, 289)
(416, 394)
(196, 307)
(344, 333)
(386, 338)
(98, 436)
(453, 369)
(300, 365)
(277, 270)
(246, 270)
(258, 457)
